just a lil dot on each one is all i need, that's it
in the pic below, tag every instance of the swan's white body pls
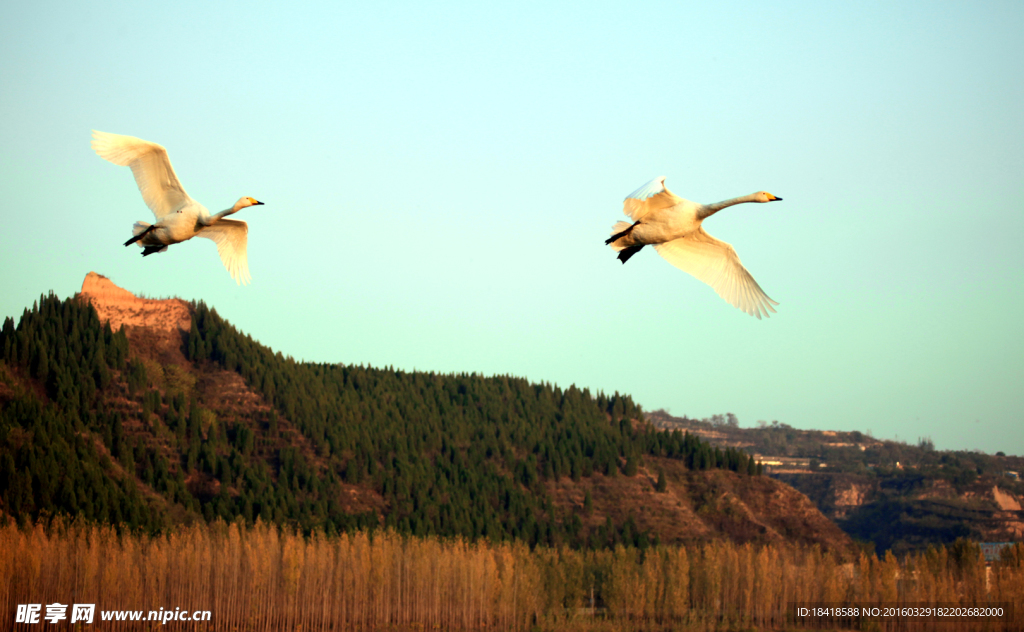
(178, 216)
(673, 226)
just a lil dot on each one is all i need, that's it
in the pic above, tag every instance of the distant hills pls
(151, 413)
(898, 496)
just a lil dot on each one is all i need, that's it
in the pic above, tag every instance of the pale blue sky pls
(439, 181)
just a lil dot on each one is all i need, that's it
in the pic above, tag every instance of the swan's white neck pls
(223, 214)
(710, 209)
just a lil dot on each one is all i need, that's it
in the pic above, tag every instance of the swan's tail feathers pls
(139, 230)
(626, 253)
(620, 229)
(148, 250)
(621, 246)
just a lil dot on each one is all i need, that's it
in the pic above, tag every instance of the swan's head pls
(244, 202)
(764, 196)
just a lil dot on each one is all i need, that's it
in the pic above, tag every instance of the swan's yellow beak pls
(772, 198)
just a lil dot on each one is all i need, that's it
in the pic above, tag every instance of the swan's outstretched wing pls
(716, 263)
(160, 188)
(231, 236)
(649, 197)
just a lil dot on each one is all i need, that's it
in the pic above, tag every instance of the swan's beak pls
(258, 204)
(774, 199)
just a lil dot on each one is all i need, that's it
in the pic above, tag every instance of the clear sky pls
(439, 179)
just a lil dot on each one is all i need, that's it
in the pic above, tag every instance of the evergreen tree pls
(631, 465)
(662, 484)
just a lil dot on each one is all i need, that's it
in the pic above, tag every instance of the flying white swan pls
(178, 217)
(673, 226)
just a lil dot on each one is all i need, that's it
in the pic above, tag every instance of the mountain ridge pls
(219, 426)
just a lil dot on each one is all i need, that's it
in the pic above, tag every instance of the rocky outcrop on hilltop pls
(120, 307)
(156, 328)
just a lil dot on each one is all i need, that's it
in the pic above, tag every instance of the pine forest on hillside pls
(114, 437)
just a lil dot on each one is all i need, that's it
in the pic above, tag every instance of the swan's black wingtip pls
(626, 253)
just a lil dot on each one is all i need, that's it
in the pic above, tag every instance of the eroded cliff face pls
(156, 328)
(120, 307)
(848, 496)
(1010, 519)
(1006, 501)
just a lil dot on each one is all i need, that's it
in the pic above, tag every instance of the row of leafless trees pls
(262, 578)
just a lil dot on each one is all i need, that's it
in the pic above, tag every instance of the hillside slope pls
(181, 418)
(899, 496)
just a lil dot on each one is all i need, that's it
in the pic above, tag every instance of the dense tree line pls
(450, 455)
(261, 577)
(49, 462)
(456, 454)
